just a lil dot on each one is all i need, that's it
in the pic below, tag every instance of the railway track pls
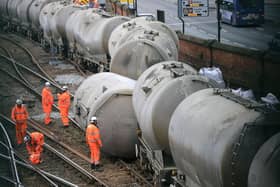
(71, 144)
(8, 171)
(27, 58)
(55, 161)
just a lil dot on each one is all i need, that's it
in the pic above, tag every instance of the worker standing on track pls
(47, 102)
(19, 115)
(94, 142)
(34, 145)
(64, 100)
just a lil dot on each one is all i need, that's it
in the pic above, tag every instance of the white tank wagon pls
(214, 135)
(46, 17)
(108, 96)
(157, 93)
(23, 13)
(265, 168)
(34, 12)
(4, 9)
(91, 30)
(59, 22)
(12, 10)
(140, 43)
(76, 19)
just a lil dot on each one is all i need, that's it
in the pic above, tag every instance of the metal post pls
(180, 15)
(135, 6)
(218, 2)
(183, 24)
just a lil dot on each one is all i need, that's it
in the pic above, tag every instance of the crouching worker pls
(34, 145)
(94, 142)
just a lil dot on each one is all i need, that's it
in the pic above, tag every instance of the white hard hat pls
(93, 119)
(26, 138)
(64, 88)
(47, 84)
(19, 101)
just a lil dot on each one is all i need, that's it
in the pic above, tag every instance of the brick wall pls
(258, 70)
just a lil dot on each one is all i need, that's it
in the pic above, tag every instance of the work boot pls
(93, 166)
(98, 168)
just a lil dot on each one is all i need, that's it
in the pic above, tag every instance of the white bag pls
(215, 74)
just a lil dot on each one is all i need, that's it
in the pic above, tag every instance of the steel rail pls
(15, 63)
(16, 69)
(78, 68)
(34, 60)
(39, 95)
(64, 158)
(9, 147)
(8, 180)
(39, 171)
(33, 167)
(56, 139)
(135, 173)
(59, 179)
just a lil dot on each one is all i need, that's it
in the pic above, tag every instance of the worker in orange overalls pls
(34, 145)
(47, 102)
(19, 115)
(94, 142)
(64, 100)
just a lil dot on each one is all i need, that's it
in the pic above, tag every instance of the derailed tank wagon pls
(157, 93)
(108, 96)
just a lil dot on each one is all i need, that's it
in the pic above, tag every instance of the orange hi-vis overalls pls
(19, 116)
(94, 142)
(35, 147)
(64, 105)
(47, 102)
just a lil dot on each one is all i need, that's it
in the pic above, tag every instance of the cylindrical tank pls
(4, 8)
(34, 12)
(23, 12)
(12, 9)
(157, 93)
(121, 34)
(70, 26)
(140, 43)
(46, 17)
(59, 21)
(214, 135)
(108, 96)
(92, 30)
(265, 168)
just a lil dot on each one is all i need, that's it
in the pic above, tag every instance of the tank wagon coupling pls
(108, 96)
(219, 139)
(140, 43)
(157, 93)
